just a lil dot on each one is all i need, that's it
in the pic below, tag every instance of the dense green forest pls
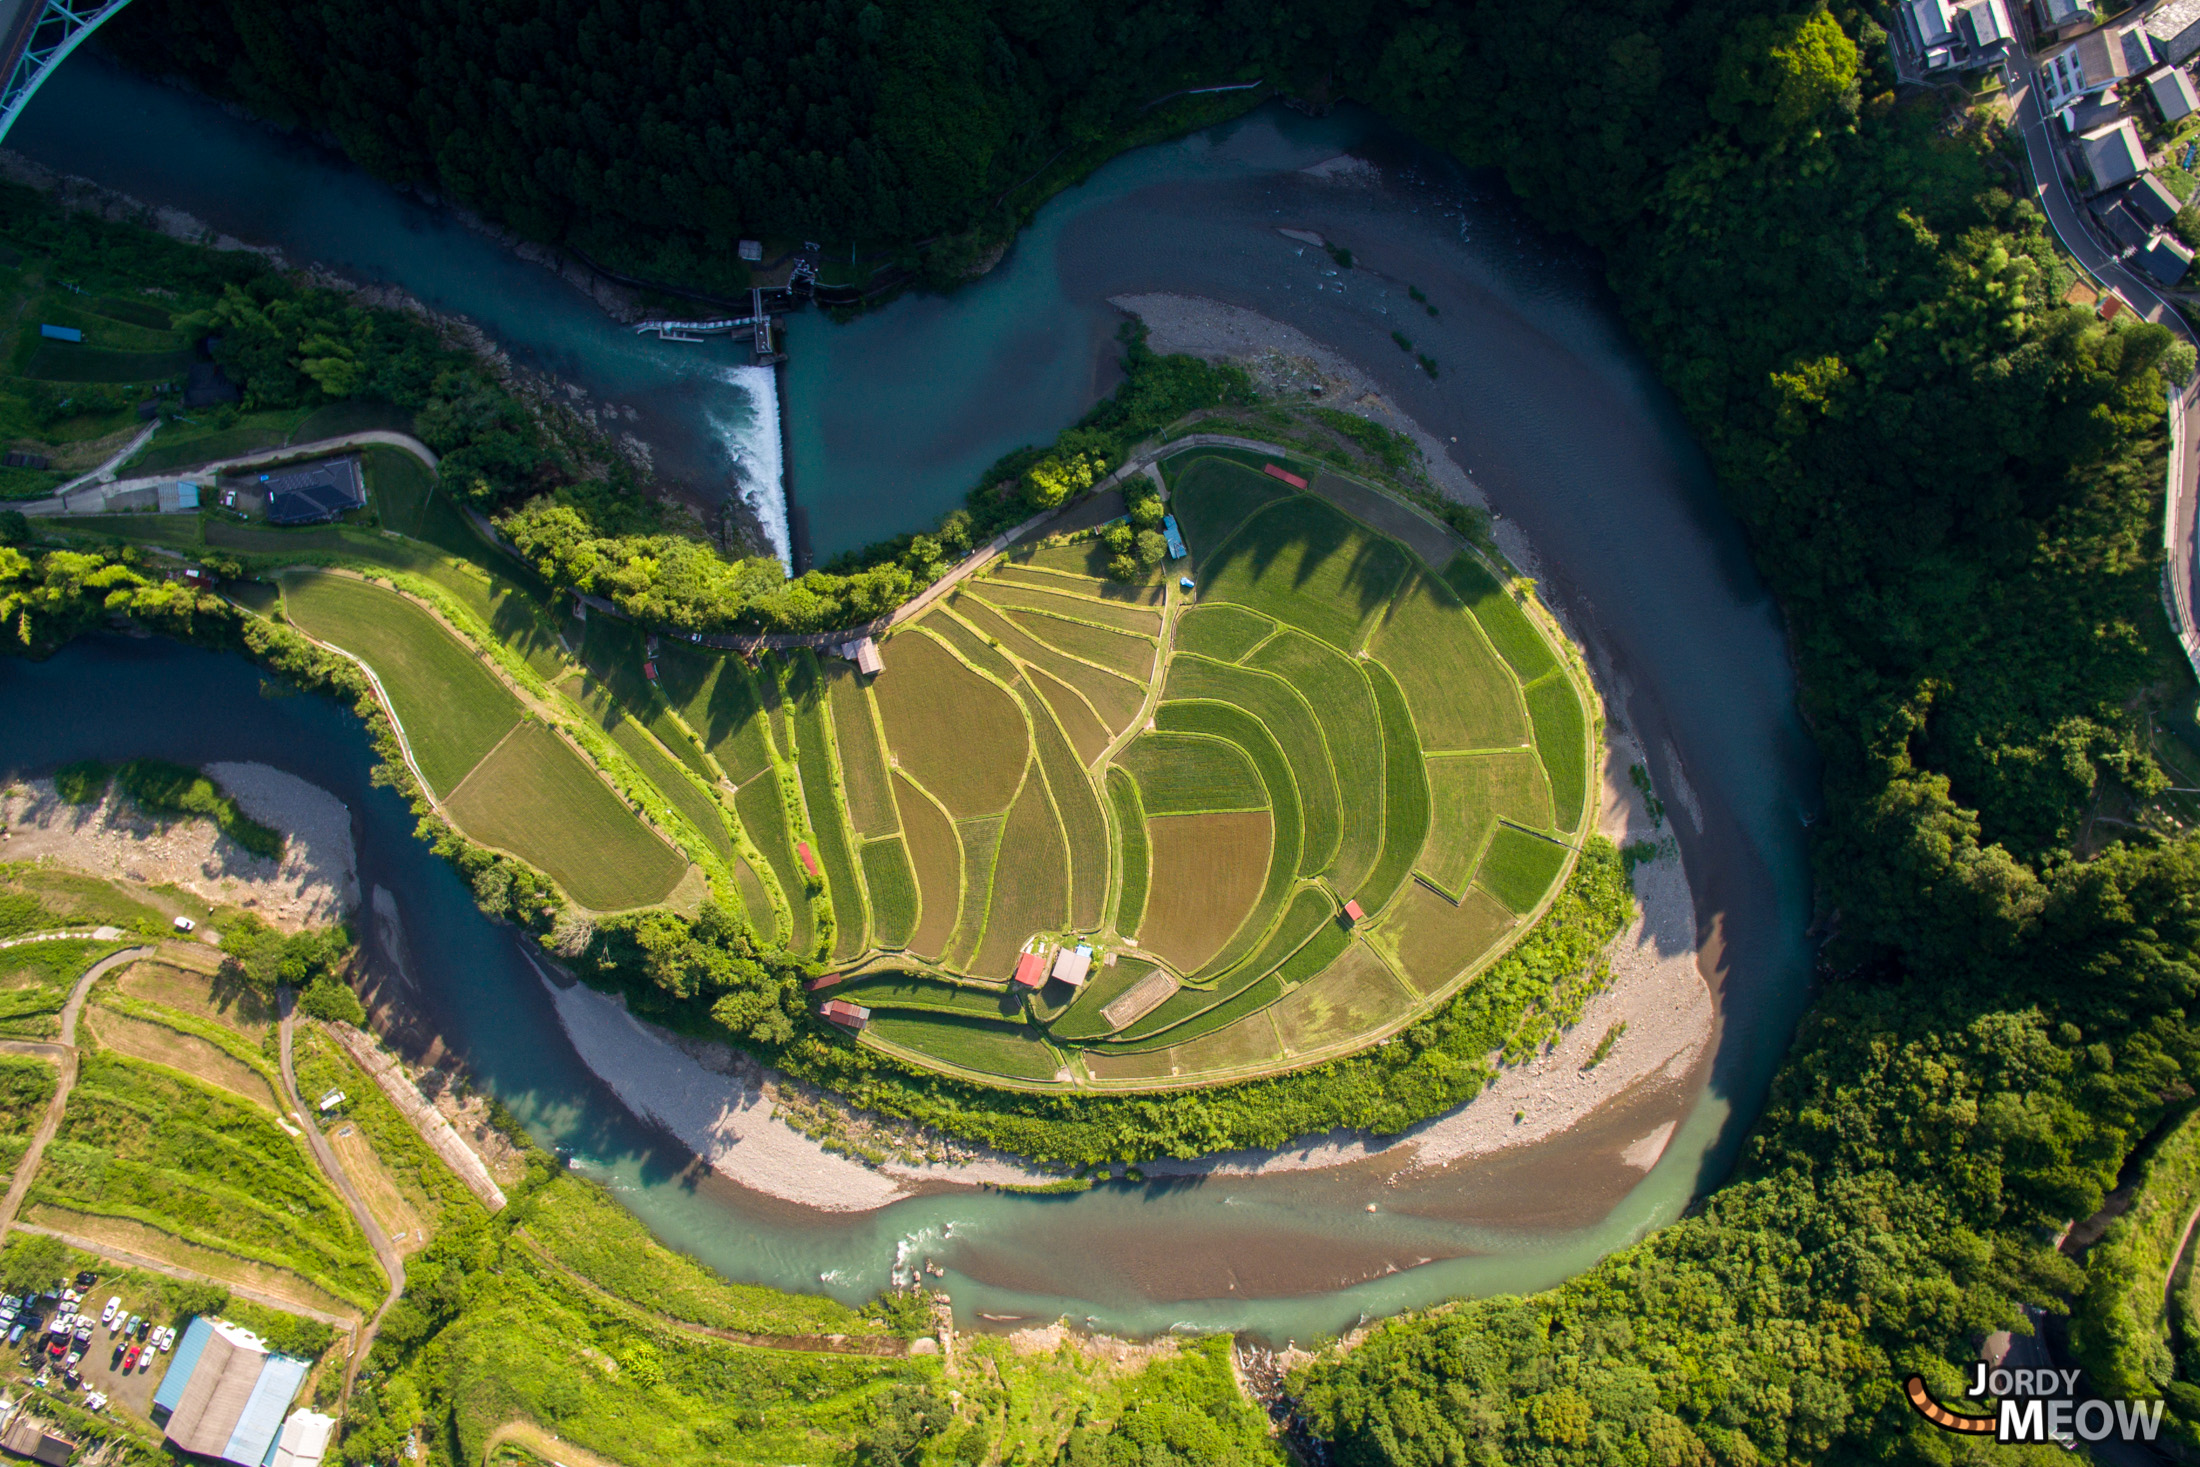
(1951, 481)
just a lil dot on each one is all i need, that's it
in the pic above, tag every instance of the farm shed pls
(1031, 969)
(27, 1437)
(1072, 965)
(1275, 471)
(225, 1393)
(863, 652)
(1352, 913)
(1174, 536)
(849, 1015)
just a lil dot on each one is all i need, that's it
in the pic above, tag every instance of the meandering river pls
(889, 420)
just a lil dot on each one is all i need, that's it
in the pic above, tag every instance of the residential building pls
(225, 1393)
(2125, 227)
(313, 493)
(2113, 155)
(27, 1436)
(2173, 94)
(2151, 200)
(2061, 18)
(2167, 259)
(2175, 28)
(2096, 111)
(2096, 59)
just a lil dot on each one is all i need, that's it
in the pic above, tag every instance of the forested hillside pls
(1951, 481)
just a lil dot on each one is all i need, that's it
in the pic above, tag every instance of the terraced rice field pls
(1332, 701)
(507, 781)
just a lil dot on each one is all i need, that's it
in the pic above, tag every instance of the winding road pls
(2056, 195)
(385, 1252)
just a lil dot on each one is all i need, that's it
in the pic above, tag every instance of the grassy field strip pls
(454, 711)
(1519, 866)
(1206, 881)
(1087, 734)
(1468, 795)
(689, 800)
(719, 698)
(981, 839)
(1192, 774)
(1119, 652)
(1562, 739)
(925, 995)
(1304, 563)
(1461, 693)
(1221, 631)
(1433, 940)
(142, 1245)
(426, 1122)
(535, 796)
(762, 806)
(892, 885)
(434, 1195)
(1291, 723)
(981, 1050)
(1509, 627)
(1084, 826)
(1112, 702)
(953, 730)
(818, 766)
(1133, 855)
(863, 772)
(232, 1065)
(936, 861)
(1030, 891)
(1008, 596)
(1191, 1012)
(1405, 793)
(1352, 734)
(1085, 560)
(1228, 721)
(613, 652)
(1212, 498)
(1354, 996)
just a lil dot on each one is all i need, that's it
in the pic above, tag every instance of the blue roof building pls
(225, 1394)
(1176, 539)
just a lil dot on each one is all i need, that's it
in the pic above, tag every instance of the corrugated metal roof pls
(252, 1444)
(186, 1360)
(304, 1441)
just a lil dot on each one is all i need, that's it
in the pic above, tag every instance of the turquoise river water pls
(888, 421)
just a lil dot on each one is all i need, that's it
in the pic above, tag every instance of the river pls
(889, 420)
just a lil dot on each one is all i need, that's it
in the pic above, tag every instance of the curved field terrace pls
(1263, 809)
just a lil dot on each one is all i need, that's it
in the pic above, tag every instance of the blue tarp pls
(253, 1441)
(1176, 540)
(188, 1351)
(60, 333)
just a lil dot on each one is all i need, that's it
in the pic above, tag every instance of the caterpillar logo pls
(2037, 1406)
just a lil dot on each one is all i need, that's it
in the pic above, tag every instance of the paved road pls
(64, 1054)
(2058, 199)
(385, 1252)
(82, 496)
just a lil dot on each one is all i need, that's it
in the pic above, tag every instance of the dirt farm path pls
(385, 1252)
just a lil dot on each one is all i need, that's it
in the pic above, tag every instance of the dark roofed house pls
(2114, 155)
(2150, 199)
(207, 385)
(314, 493)
(2098, 110)
(2175, 28)
(2125, 227)
(2167, 259)
(2173, 95)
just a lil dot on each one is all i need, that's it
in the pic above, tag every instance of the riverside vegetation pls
(1974, 617)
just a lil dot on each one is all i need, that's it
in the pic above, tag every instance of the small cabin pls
(1031, 970)
(847, 1015)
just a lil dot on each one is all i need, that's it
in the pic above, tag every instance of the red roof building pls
(1287, 476)
(1031, 970)
(825, 982)
(1352, 912)
(649, 670)
(809, 862)
(847, 1015)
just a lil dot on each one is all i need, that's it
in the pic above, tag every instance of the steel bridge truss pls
(35, 37)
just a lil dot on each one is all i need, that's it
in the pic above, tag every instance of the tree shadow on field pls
(1319, 535)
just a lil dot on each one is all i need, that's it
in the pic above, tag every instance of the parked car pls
(15, 1334)
(84, 1332)
(129, 1359)
(107, 1315)
(75, 1358)
(94, 1401)
(72, 1380)
(185, 924)
(167, 1339)
(86, 1279)
(129, 1326)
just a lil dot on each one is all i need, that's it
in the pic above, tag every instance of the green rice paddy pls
(1359, 721)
